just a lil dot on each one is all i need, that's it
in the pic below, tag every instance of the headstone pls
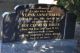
(39, 22)
(9, 27)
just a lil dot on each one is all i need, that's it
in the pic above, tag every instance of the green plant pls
(72, 6)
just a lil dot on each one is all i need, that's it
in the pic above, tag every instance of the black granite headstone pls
(38, 22)
(9, 27)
